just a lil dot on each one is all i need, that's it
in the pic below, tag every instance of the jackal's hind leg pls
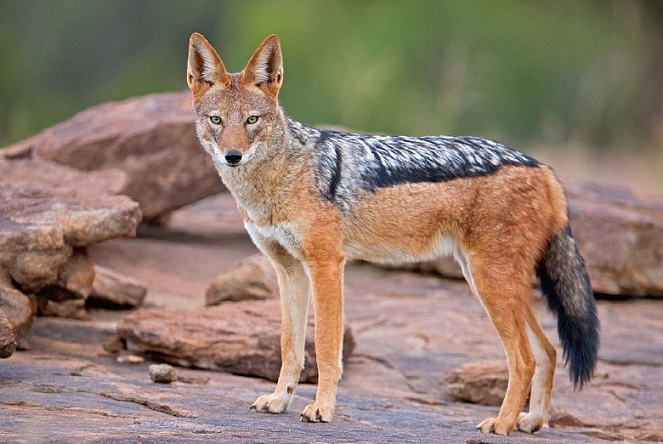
(505, 298)
(542, 381)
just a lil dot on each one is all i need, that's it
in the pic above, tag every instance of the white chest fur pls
(283, 234)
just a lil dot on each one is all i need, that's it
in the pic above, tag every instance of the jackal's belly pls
(399, 251)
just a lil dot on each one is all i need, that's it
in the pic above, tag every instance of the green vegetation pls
(517, 70)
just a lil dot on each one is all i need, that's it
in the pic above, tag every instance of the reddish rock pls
(479, 383)
(151, 138)
(558, 418)
(111, 288)
(78, 274)
(7, 337)
(41, 225)
(241, 338)
(114, 344)
(18, 310)
(48, 215)
(620, 234)
(254, 278)
(70, 308)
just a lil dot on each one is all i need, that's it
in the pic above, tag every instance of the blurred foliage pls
(517, 70)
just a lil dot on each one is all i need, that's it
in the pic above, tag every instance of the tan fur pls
(496, 226)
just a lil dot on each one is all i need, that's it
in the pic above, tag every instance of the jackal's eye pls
(216, 120)
(252, 119)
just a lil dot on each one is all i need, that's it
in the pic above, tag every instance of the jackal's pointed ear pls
(204, 68)
(265, 68)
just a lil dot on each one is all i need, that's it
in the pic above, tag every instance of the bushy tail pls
(566, 286)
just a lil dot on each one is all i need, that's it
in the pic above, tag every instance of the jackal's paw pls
(529, 422)
(495, 425)
(274, 403)
(317, 413)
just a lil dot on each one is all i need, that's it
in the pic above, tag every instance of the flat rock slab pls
(73, 399)
(241, 338)
(151, 138)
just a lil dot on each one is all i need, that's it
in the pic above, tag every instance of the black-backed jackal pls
(312, 199)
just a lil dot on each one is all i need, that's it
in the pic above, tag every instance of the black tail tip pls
(581, 352)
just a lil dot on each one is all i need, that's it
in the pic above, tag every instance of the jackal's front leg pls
(327, 285)
(294, 292)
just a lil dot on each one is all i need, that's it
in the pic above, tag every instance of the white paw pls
(495, 425)
(317, 413)
(274, 403)
(529, 422)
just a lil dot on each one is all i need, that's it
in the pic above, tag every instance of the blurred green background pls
(569, 73)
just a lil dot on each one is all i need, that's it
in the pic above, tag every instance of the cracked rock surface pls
(410, 330)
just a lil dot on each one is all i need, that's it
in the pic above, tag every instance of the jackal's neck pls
(298, 133)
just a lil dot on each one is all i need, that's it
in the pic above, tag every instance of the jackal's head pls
(237, 115)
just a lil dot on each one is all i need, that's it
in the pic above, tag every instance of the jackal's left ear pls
(265, 68)
(204, 68)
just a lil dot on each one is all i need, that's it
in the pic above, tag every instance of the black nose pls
(233, 157)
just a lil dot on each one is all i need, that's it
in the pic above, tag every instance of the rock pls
(254, 278)
(479, 383)
(620, 234)
(78, 274)
(558, 418)
(162, 373)
(114, 344)
(71, 308)
(130, 359)
(41, 225)
(241, 338)
(151, 138)
(48, 215)
(66, 298)
(7, 337)
(113, 289)
(18, 310)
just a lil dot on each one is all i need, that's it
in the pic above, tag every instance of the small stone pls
(254, 278)
(130, 359)
(162, 373)
(114, 344)
(479, 383)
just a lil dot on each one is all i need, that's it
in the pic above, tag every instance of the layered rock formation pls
(48, 215)
(151, 138)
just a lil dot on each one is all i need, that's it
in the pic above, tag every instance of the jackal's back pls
(347, 163)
